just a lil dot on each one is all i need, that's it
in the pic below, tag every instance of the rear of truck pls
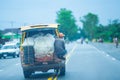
(37, 49)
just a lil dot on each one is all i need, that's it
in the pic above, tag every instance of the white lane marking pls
(100, 51)
(70, 53)
(113, 59)
(107, 55)
(17, 64)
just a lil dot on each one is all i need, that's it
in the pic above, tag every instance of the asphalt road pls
(84, 62)
(10, 69)
(109, 48)
(89, 63)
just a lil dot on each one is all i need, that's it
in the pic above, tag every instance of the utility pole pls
(12, 24)
(11, 28)
(24, 24)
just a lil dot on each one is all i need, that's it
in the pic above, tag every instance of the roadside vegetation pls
(91, 28)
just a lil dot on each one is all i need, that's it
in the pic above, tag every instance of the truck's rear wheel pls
(62, 71)
(4, 57)
(14, 55)
(27, 74)
(17, 55)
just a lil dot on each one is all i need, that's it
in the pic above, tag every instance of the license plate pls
(5, 55)
(45, 63)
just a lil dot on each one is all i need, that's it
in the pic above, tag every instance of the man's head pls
(61, 35)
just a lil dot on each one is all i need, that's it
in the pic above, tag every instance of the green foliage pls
(113, 29)
(92, 30)
(67, 24)
(108, 32)
(90, 22)
(0, 34)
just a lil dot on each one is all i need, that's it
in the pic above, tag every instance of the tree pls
(90, 22)
(109, 31)
(99, 31)
(0, 34)
(67, 23)
(114, 28)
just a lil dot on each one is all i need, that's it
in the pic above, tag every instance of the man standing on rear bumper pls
(59, 47)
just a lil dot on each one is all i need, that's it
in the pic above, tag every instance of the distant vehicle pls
(100, 40)
(9, 50)
(37, 49)
(79, 40)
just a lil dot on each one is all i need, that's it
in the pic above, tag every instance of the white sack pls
(28, 42)
(44, 45)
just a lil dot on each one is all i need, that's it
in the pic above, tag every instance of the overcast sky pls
(16, 13)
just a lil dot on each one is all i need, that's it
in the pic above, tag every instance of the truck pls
(37, 49)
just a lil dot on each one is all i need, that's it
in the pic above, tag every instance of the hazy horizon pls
(16, 13)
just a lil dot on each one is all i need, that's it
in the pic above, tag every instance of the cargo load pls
(41, 47)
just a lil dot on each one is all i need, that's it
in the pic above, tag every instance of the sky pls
(17, 13)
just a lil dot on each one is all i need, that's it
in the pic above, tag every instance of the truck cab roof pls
(24, 28)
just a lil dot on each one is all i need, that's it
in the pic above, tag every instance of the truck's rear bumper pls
(43, 67)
